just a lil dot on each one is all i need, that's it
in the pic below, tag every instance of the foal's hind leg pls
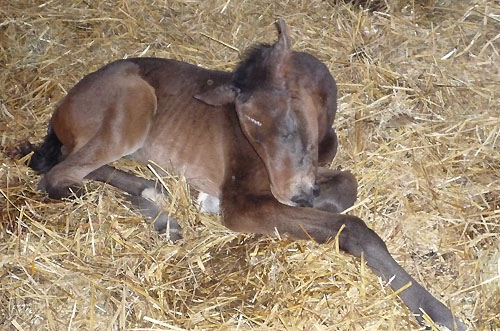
(338, 190)
(143, 194)
(66, 177)
(102, 119)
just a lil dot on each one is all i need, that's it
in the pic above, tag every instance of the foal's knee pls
(337, 192)
(349, 185)
(357, 238)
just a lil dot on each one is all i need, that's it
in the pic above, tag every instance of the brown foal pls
(255, 138)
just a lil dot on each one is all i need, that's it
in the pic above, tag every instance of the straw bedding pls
(418, 123)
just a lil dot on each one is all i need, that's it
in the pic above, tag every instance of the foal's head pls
(279, 126)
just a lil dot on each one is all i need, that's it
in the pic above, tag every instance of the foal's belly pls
(193, 148)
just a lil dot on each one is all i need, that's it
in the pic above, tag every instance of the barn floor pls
(418, 124)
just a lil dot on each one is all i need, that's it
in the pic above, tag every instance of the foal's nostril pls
(302, 201)
(316, 190)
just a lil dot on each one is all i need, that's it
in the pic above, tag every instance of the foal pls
(255, 138)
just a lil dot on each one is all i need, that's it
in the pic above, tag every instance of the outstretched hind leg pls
(144, 196)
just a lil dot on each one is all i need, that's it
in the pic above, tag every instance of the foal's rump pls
(113, 98)
(105, 116)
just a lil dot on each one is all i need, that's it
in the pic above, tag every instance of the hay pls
(418, 124)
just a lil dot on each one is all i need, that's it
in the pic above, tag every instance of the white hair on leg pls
(208, 203)
(152, 194)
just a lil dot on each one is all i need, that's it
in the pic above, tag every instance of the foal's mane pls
(253, 71)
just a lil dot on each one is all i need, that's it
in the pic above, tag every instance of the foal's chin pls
(286, 202)
(304, 200)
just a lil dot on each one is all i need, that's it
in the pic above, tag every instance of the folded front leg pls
(338, 190)
(264, 215)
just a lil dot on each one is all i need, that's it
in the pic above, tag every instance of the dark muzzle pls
(306, 199)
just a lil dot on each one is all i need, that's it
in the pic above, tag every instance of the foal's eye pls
(253, 120)
(288, 136)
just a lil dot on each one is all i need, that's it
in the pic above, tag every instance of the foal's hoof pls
(164, 223)
(440, 315)
(59, 192)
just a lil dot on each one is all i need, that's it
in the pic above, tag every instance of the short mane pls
(252, 71)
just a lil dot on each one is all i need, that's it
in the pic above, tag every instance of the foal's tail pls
(45, 155)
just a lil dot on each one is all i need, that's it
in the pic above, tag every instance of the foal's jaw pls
(300, 193)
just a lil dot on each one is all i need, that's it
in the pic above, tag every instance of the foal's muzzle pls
(316, 190)
(306, 199)
(301, 202)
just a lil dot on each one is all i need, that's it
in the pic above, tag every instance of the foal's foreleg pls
(265, 216)
(144, 196)
(327, 147)
(338, 190)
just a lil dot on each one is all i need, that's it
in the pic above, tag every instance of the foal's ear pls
(284, 43)
(281, 52)
(218, 96)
